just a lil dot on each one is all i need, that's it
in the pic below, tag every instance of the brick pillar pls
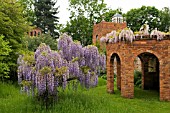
(118, 75)
(165, 80)
(110, 77)
(144, 61)
(127, 79)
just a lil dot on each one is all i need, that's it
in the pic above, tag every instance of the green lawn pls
(95, 100)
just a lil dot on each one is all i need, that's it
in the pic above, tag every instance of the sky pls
(126, 5)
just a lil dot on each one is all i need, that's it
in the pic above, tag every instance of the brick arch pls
(127, 52)
(150, 76)
(148, 51)
(110, 73)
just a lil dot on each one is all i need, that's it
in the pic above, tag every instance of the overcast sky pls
(126, 5)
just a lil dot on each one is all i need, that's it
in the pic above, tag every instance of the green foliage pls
(137, 17)
(46, 18)
(104, 76)
(83, 14)
(164, 19)
(31, 43)
(95, 100)
(45, 70)
(110, 13)
(138, 78)
(80, 29)
(28, 9)
(13, 26)
(4, 53)
(60, 71)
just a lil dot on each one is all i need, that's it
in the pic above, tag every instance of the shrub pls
(32, 43)
(137, 78)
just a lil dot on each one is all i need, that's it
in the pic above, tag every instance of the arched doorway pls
(150, 71)
(114, 73)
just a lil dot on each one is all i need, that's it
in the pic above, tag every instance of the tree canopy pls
(46, 18)
(146, 14)
(110, 13)
(83, 14)
(13, 26)
(165, 19)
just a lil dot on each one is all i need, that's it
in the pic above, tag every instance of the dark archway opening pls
(148, 80)
(116, 70)
(150, 71)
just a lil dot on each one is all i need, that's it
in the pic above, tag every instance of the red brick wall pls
(35, 32)
(127, 52)
(102, 28)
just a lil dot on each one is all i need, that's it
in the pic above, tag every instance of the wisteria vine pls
(127, 35)
(43, 72)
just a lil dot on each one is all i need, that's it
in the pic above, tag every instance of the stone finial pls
(94, 22)
(103, 18)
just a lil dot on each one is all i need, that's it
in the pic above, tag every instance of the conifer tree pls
(46, 18)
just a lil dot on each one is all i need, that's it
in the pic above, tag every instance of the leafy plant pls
(4, 53)
(32, 43)
(45, 71)
(138, 78)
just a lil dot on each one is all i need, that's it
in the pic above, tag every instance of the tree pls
(4, 53)
(13, 26)
(28, 9)
(31, 43)
(79, 29)
(165, 19)
(137, 17)
(46, 18)
(83, 14)
(110, 13)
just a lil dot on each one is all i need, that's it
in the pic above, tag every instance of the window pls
(35, 33)
(31, 33)
(38, 33)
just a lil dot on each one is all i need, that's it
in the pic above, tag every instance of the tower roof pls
(117, 15)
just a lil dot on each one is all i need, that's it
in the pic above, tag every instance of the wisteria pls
(127, 35)
(157, 33)
(45, 70)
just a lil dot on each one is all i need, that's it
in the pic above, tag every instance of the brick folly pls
(147, 50)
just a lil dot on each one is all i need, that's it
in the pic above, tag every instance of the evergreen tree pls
(46, 18)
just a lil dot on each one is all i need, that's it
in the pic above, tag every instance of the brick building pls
(35, 32)
(102, 28)
(150, 56)
(155, 63)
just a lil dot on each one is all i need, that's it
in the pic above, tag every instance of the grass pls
(94, 100)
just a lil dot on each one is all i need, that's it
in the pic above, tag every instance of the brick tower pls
(102, 28)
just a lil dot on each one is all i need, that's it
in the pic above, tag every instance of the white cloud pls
(126, 5)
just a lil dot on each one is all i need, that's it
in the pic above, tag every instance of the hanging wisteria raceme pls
(103, 39)
(157, 33)
(92, 58)
(102, 62)
(73, 69)
(26, 72)
(126, 34)
(46, 70)
(112, 36)
(64, 44)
